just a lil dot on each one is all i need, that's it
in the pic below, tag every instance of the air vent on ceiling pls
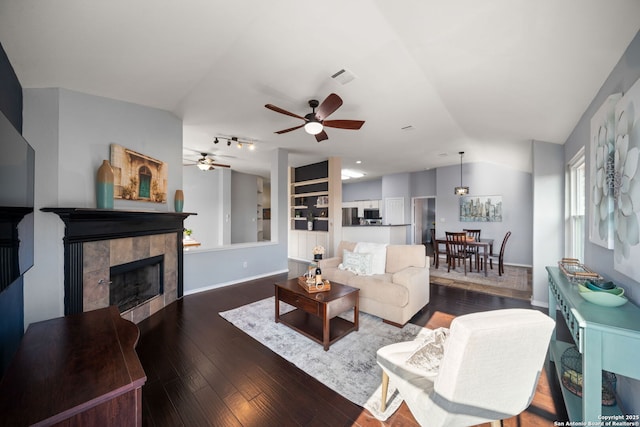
(343, 76)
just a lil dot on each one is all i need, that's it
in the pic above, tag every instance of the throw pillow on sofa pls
(356, 263)
(378, 253)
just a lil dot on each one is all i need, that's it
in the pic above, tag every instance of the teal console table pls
(607, 337)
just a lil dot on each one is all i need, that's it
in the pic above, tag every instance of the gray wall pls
(623, 76)
(486, 179)
(365, 190)
(210, 268)
(71, 133)
(244, 212)
(600, 259)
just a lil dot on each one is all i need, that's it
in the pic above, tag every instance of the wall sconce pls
(461, 191)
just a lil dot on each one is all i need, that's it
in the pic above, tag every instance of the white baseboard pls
(235, 282)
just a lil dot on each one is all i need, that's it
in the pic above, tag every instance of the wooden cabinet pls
(608, 339)
(80, 369)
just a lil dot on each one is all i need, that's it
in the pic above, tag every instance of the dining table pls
(485, 244)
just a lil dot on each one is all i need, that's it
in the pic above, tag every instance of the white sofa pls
(395, 295)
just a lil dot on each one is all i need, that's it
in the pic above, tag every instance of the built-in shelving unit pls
(316, 192)
(259, 208)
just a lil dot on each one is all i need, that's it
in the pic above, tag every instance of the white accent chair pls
(490, 368)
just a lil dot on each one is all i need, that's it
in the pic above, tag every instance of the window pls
(576, 206)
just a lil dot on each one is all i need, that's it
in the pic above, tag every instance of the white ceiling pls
(484, 77)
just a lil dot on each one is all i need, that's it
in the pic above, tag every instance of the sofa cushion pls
(378, 252)
(379, 287)
(400, 257)
(356, 263)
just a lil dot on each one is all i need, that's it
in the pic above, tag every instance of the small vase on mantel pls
(104, 186)
(178, 201)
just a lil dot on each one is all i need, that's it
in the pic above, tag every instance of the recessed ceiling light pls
(348, 174)
(358, 162)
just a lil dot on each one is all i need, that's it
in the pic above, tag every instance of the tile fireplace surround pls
(97, 239)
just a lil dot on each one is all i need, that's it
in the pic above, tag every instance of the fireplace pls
(97, 240)
(136, 282)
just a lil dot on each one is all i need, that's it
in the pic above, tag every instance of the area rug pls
(514, 283)
(349, 366)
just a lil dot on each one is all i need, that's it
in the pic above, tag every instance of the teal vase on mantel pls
(178, 201)
(104, 186)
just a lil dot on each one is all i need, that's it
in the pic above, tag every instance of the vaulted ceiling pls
(432, 77)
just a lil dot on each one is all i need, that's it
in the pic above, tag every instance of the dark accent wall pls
(11, 298)
(10, 92)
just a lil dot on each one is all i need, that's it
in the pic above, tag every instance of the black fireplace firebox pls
(135, 282)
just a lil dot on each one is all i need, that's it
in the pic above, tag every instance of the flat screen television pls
(17, 168)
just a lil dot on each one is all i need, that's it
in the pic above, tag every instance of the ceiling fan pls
(314, 122)
(206, 163)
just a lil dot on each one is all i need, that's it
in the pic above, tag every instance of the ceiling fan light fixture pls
(203, 166)
(313, 127)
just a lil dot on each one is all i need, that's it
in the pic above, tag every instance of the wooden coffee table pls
(316, 314)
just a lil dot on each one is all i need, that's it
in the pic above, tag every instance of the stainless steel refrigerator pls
(350, 216)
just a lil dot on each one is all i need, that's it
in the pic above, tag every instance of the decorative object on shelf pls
(178, 201)
(603, 135)
(461, 191)
(576, 272)
(318, 251)
(104, 186)
(602, 297)
(310, 221)
(481, 209)
(571, 362)
(138, 176)
(187, 233)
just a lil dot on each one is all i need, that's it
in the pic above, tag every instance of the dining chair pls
(482, 371)
(457, 250)
(500, 256)
(474, 250)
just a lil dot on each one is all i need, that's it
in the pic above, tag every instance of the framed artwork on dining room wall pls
(481, 209)
(137, 176)
(626, 184)
(602, 150)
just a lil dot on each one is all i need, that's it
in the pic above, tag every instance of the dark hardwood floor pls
(201, 370)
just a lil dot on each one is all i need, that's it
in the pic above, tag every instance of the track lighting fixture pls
(234, 139)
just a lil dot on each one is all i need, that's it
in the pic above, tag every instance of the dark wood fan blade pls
(322, 136)
(281, 111)
(220, 165)
(344, 124)
(289, 130)
(328, 106)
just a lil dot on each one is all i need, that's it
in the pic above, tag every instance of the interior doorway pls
(424, 219)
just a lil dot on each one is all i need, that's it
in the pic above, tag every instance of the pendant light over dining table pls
(461, 191)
